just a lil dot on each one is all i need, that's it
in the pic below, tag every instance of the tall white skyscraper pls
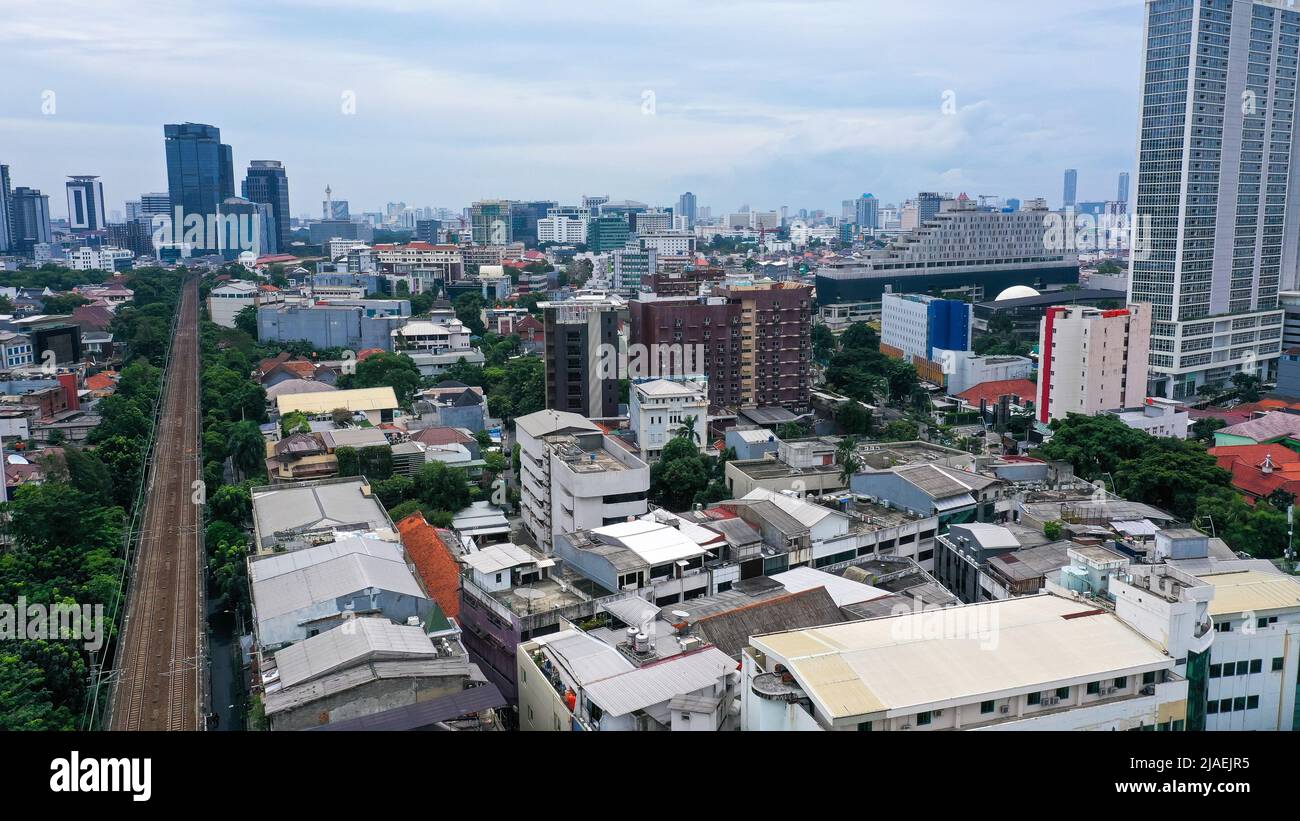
(1214, 184)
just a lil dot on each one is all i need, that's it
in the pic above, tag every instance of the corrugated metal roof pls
(843, 591)
(348, 644)
(1252, 590)
(586, 658)
(278, 563)
(360, 399)
(657, 683)
(303, 587)
(425, 714)
(911, 661)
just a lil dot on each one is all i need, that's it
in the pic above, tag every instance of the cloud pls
(771, 103)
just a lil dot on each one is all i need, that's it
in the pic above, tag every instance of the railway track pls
(159, 665)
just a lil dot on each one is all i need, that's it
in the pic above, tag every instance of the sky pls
(437, 103)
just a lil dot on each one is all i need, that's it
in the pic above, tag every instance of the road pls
(160, 663)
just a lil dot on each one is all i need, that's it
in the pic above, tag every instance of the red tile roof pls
(101, 381)
(440, 436)
(1021, 389)
(1246, 463)
(437, 567)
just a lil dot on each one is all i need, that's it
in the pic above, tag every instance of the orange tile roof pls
(1246, 463)
(101, 381)
(437, 567)
(993, 391)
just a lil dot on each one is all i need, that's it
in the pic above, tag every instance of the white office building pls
(98, 259)
(1044, 662)
(659, 410)
(1213, 188)
(562, 229)
(1092, 360)
(574, 477)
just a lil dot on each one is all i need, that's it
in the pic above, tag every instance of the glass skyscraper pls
(6, 212)
(1214, 182)
(200, 171)
(686, 207)
(267, 183)
(1070, 195)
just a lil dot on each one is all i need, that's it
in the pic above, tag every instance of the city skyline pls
(807, 138)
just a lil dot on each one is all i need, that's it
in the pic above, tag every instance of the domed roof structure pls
(1016, 292)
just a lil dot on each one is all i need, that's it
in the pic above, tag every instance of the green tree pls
(1093, 444)
(246, 320)
(385, 369)
(442, 487)
(469, 308)
(247, 449)
(853, 419)
(1052, 530)
(680, 474)
(900, 430)
(1169, 474)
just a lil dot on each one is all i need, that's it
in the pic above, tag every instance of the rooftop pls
(909, 662)
(284, 511)
(361, 399)
(1252, 591)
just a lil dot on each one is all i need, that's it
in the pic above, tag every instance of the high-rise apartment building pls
(754, 341)
(30, 222)
(200, 173)
(1215, 188)
(267, 183)
(582, 355)
(687, 208)
(866, 212)
(6, 212)
(1092, 360)
(85, 204)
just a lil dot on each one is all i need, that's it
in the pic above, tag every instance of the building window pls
(1243, 668)
(864, 727)
(1256, 666)
(1094, 688)
(1121, 682)
(1035, 699)
(1212, 708)
(923, 719)
(1252, 702)
(986, 707)
(1149, 678)
(1216, 670)
(1062, 692)
(1278, 664)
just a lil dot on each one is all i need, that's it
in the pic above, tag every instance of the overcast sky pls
(790, 103)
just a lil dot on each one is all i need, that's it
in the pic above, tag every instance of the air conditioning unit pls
(1052, 700)
(906, 727)
(1149, 690)
(1004, 709)
(1107, 691)
(938, 713)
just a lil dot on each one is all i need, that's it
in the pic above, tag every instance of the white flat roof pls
(936, 658)
(498, 557)
(655, 543)
(842, 591)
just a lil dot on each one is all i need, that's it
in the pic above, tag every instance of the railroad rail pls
(160, 666)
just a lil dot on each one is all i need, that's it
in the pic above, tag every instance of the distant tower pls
(329, 204)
